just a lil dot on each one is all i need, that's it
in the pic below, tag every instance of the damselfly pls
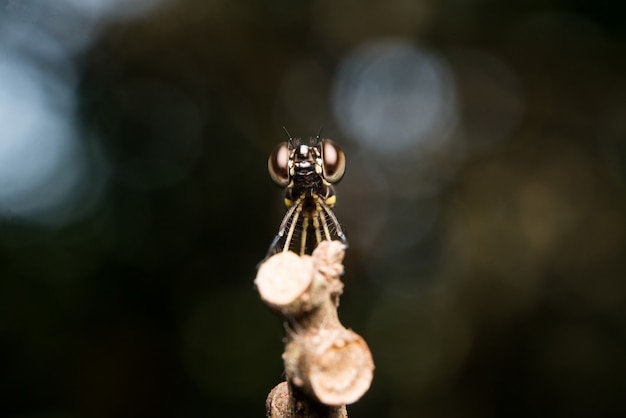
(307, 169)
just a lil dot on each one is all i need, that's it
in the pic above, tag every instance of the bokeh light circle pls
(392, 95)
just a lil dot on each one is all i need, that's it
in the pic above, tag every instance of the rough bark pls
(327, 366)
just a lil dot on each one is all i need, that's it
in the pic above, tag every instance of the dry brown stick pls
(327, 366)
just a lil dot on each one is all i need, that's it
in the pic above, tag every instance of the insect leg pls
(316, 224)
(292, 209)
(292, 227)
(305, 228)
(281, 230)
(335, 222)
(322, 218)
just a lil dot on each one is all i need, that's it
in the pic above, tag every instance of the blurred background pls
(484, 201)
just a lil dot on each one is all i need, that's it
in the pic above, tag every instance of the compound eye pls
(333, 161)
(278, 164)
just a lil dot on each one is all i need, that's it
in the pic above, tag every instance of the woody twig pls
(327, 366)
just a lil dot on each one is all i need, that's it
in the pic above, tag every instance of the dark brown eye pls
(278, 164)
(333, 161)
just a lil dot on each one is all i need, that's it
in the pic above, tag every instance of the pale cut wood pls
(327, 366)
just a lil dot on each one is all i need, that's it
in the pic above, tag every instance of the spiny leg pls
(292, 208)
(316, 224)
(322, 218)
(292, 227)
(305, 228)
(335, 222)
(283, 225)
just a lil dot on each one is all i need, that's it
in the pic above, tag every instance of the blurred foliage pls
(510, 303)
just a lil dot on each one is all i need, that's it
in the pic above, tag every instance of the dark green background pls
(146, 308)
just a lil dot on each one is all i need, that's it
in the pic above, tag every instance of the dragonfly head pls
(306, 159)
